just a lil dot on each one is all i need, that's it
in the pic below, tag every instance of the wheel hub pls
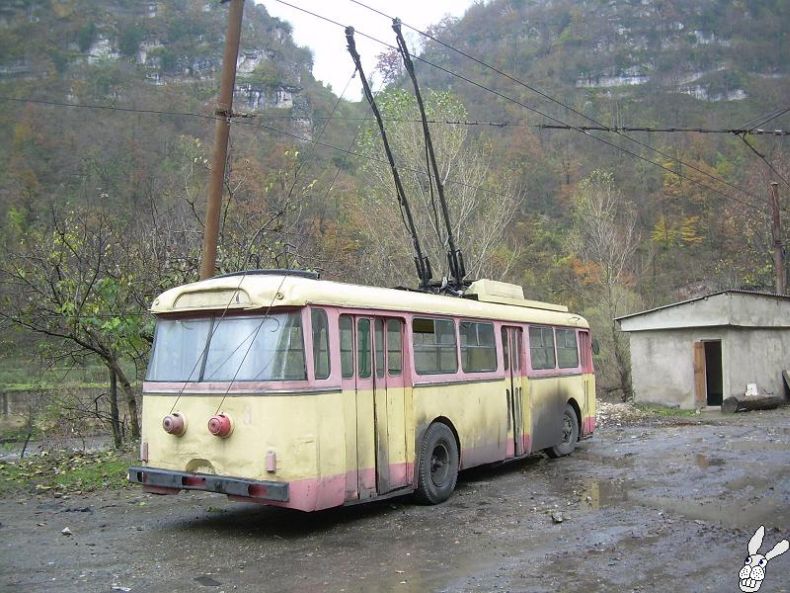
(440, 464)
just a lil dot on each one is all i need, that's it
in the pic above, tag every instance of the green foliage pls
(665, 411)
(86, 35)
(62, 472)
(129, 41)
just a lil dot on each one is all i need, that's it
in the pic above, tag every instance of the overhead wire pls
(750, 131)
(557, 120)
(495, 124)
(108, 107)
(254, 335)
(764, 159)
(764, 119)
(245, 121)
(370, 158)
(348, 151)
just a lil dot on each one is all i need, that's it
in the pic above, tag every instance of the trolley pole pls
(776, 235)
(220, 153)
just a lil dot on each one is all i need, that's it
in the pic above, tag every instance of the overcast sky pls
(332, 64)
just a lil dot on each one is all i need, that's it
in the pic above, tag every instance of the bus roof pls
(253, 292)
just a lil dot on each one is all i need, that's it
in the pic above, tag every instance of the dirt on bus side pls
(648, 504)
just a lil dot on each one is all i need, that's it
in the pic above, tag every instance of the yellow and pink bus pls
(283, 389)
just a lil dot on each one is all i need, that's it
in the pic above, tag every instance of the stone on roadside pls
(557, 517)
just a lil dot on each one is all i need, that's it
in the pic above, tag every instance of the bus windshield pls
(260, 348)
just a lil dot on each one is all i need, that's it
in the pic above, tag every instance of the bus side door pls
(356, 356)
(389, 397)
(512, 352)
(372, 359)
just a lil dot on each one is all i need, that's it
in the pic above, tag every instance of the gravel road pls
(656, 505)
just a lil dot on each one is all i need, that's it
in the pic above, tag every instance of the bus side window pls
(320, 343)
(567, 353)
(394, 347)
(346, 346)
(434, 346)
(478, 348)
(541, 348)
(363, 348)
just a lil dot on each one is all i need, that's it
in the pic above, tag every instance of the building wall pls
(662, 362)
(757, 356)
(662, 365)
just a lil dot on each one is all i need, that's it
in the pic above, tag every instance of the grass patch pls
(22, 374)
(665, 411)
(65, 472)
(16, 387)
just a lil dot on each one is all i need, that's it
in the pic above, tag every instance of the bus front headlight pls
(220, 425)
(175, 424)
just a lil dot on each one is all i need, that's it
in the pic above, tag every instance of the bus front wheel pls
(438, 469)
(569, 432)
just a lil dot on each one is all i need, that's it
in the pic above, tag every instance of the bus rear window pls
(434, 346)
(269, 348)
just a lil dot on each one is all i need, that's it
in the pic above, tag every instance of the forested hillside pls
(697, 64)
(108, 120)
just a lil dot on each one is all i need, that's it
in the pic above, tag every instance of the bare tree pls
(607, 239)
(69, 285)
(479, 217)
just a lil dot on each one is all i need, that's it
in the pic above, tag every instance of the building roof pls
(738, 308)
(253, 292)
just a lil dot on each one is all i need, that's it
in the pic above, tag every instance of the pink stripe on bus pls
(588, 425)
(313, 494)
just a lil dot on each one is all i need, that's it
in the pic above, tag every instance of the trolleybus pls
(283, 389)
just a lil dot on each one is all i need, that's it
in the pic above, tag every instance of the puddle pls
(734, 513)
(600, 494)
(626, 459)
(758, 485)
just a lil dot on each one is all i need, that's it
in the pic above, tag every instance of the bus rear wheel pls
(570, 434)
(438, 469)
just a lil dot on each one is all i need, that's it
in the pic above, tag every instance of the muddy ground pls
(656, 505)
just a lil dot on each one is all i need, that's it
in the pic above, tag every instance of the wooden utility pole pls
(776, 235)
(220, 154)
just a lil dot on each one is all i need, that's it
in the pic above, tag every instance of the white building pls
(694, 353)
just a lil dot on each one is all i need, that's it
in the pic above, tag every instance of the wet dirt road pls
(656, 506)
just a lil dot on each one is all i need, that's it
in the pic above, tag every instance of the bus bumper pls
(162, 481)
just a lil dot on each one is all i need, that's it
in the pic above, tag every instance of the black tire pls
(438, 469)
(570, 434)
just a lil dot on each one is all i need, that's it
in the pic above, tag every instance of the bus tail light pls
(193, 481)
(175, 424)
(257, 490)
(220, 426)
(144, 452)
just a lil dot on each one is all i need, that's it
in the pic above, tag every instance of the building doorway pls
(708, 373)
(714, 383)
